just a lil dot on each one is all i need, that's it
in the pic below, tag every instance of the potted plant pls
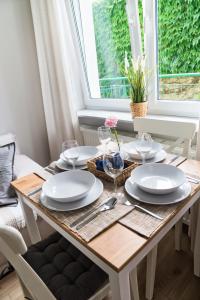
(135, 73)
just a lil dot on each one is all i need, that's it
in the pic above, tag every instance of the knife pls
(173, 159)
(87, 214)
(106, 206)
(34, 191)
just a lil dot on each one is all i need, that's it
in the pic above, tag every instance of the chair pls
(183, 132)
(53, 268)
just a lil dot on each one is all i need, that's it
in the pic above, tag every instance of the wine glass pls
(113, 165)
(104, 134)
(72, 154)
(144, 145)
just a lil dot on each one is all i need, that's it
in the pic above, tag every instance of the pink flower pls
(111, 122)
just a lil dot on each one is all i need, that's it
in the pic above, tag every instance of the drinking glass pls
(113, 165)
(144, 145)
(104, 134)
(72, 155)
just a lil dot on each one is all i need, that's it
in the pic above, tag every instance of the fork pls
(128, 203)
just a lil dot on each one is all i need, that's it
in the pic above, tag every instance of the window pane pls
(178, 49)
(105, 32)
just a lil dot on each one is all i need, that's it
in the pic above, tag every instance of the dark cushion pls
(7, 155)
(68, 273)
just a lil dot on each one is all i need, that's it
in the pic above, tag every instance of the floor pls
(174, 276)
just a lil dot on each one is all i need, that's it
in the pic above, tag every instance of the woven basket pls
(139, 109)
(91, 164)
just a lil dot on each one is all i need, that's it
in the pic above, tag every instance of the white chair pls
(183, 133)
(54, 250)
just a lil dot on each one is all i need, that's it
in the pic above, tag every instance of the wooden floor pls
(174, 276)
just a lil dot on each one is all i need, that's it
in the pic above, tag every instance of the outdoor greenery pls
(178, 29)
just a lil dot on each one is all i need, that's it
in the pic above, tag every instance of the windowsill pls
(97, 117)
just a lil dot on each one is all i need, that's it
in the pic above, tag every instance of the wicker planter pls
(139, 109)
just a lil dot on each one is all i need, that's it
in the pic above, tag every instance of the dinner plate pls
(69, 186)
(158, 178)
(180, 194)
(84, 154)
(130, 149)
(65, 166)
(159, 156)
(91, 197)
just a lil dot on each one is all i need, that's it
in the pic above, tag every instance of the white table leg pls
(193, 224)
(31, 224)
(178, 235)
(120, 286)
(134, 285)
(197, 245)
(151, 271)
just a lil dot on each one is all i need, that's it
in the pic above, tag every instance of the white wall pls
(21, 108)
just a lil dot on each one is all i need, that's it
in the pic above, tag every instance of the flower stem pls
(116, 137)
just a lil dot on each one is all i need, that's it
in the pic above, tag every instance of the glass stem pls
(115, 185)
(73, 164)
(143, 158)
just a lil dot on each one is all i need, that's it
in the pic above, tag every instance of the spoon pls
(128, 203)
(107, 206)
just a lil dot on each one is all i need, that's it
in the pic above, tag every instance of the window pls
(178, 39)
(104, 28)
(167, 32)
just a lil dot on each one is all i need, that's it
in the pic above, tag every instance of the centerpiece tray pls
(129, 166)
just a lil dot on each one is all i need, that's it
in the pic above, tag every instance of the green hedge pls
(179, 36)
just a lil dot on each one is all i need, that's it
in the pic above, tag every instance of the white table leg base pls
(151, 270)
(178, 235)
(120, 286)
(31, 224)
(134, 285)
(193, 223)
(197, 245)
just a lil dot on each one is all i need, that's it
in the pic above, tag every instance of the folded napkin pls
(99, 164)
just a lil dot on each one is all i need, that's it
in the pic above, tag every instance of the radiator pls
(90, 136)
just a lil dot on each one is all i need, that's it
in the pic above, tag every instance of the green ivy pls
(178, 32)
(179, 36)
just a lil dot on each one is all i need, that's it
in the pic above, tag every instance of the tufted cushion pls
(64, 269)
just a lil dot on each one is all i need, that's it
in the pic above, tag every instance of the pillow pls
(7, 155)
(6, 139)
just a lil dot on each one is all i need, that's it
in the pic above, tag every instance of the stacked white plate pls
(158, 184)
(71, 190)
(84, 154)
(156, 154)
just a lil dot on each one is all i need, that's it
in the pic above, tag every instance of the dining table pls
(118, 248)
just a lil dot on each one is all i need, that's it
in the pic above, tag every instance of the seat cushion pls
(64, 269)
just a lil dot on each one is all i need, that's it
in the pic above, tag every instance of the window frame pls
(185, 108)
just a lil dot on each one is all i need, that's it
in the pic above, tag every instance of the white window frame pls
(186, 108)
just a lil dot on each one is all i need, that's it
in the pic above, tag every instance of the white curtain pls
(61, 71)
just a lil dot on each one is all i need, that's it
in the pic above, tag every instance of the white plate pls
(92, 196)
(130, 148)
(180, 194)
(69, 186)
(84, 154)
(158, 178)
(65, 166)
(159, 156)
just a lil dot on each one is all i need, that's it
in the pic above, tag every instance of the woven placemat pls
(96, 226)
(147, 225)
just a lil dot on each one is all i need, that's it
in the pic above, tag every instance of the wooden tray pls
(91, 164)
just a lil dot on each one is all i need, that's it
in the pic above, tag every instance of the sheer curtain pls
(61, 71)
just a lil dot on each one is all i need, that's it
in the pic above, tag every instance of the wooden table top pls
(117, 245)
